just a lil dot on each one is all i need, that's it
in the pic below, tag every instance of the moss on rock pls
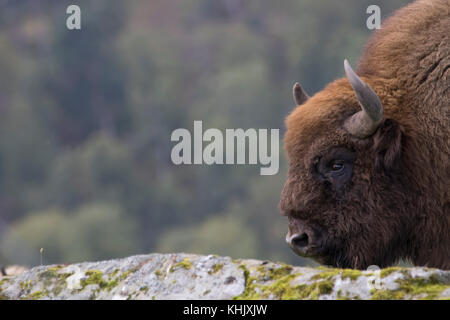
(216, 268)
(96, 277)
(329, 273)
(412, 288)
(185, 264)
(280, 285)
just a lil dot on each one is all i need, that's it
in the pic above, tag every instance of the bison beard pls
(368, 178)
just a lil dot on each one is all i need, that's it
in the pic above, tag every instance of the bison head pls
(344, 196)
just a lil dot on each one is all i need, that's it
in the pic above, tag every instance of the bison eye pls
(337, 165)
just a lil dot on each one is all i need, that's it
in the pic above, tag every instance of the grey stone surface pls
(187, 276)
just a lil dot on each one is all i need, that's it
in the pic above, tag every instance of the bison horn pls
(300, 96)
(363, 123)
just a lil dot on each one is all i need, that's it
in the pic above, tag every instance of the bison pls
(368, 176)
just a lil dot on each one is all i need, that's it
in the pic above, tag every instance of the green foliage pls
(224, 235)
(99, 169)
(94, 231)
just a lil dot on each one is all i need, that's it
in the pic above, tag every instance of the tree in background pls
(94, 231)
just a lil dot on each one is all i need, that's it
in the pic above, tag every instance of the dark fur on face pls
(372, 201)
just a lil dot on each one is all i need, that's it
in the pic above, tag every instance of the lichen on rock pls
(187, 276)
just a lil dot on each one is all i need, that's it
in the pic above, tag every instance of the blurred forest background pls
(86, 118)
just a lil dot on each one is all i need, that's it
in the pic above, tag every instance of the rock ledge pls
(187, 276)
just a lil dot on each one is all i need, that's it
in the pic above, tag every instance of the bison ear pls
(387, 144)
(300, 96)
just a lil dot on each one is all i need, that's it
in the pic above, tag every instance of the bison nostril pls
(300, 240)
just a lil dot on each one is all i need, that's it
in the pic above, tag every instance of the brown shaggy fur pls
(397, 203)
